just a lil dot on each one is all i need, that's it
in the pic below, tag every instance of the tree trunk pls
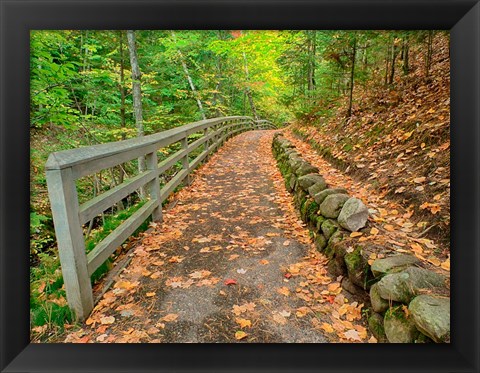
(122, 82)
(121, 87)
(428, 58)
(352, 72)
(248, 91)
(406, 68)
(394, 56)
(137, 94)
(189, 78)
(311, 63)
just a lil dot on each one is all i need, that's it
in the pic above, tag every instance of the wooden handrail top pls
(72, 157)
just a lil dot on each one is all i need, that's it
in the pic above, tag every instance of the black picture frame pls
(18, 17)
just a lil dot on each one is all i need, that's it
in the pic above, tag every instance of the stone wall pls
(409, 304)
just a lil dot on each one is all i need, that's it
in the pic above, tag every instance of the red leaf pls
(230, 281)
(287, 275)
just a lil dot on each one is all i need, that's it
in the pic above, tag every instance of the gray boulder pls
(431, 315)
(306, 181)
(403, 286)
(398, 327)
(381, 267)
(331, 206)
(320, 197)
(354, 215)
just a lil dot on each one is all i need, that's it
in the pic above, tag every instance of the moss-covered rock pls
(403, 286)
(357, 267)
(422, 338)
(320, 242)
(332, 205)
(379, 304)
(319, 221)
(306, 181)
(431, 315)
(329, 227)
(305, 169)
(375, 325)
(320, 197)
(317, 188)
(299, 198)
(398, 327)
(392, 264)
(335, 240)
(292, 182)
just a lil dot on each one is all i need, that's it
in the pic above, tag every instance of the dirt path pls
(231, 262)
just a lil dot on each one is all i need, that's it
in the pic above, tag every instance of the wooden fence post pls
(185, 161)
(153, 186)
(71, 245)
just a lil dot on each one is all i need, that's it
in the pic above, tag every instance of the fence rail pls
(65, 167)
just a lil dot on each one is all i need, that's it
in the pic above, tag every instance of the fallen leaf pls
(279, 319)
(230, 281)
(352, 335)
(150, 294)
(107, 320)
(302, 311)
(374, 231)
(240, 334)
(169, 317)
(327, 327)
(286, 243)
(355, 234)
(233, 257)
(244, 323)
(101, 337)
(241, 271)
(434, 261)
(284, 291)
(264, 262)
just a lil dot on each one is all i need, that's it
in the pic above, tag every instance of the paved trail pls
(231, 262)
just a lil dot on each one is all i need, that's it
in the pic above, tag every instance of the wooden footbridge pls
(64, 168)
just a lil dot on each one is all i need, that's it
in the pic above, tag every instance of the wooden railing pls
(65, 167)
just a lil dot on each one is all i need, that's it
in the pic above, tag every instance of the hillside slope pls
(398, 139)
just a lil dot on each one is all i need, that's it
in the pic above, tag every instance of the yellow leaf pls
(355, 234)
(416, 248)
(302, 311)
(434, 261)
(150, 294)
(244, 323)
(264, 262)
(284, 291)
(240, 334)
(389, 228)
(333, 287)
(327, 327)
(446, 264)
(374, 231)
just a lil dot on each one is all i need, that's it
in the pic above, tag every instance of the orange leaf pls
(355, 234)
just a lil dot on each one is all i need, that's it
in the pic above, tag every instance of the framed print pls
(176, 82)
